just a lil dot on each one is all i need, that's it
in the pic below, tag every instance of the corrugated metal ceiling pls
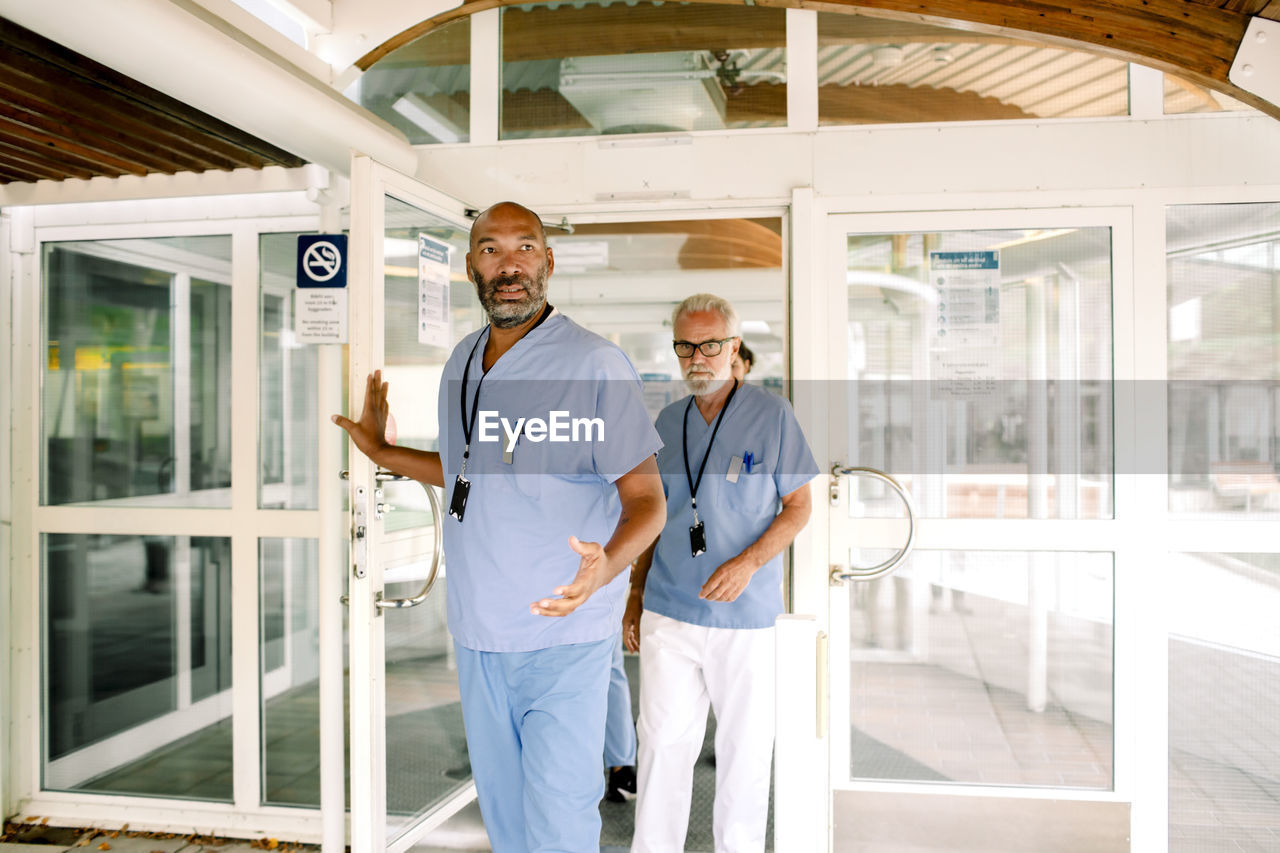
(65, 116)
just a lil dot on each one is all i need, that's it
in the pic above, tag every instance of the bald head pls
(509, 262)
(508, 213)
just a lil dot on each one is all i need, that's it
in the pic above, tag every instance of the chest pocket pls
(753, 494)
(529, 467)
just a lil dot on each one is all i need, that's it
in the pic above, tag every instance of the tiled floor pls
(954, 716)
(956, 709)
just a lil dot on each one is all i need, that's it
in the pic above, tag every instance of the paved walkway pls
(35, 838)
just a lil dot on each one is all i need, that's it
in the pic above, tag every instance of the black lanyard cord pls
(688, 474)
(469, 424)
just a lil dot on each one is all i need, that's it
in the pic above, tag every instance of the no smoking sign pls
(322, 260)
(320, 310)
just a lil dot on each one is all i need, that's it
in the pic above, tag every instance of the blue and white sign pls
(320, 309)
(965, 339)
(435, 321)
(322, 260)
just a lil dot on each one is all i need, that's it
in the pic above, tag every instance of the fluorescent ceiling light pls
(891, 281)
(399, 247)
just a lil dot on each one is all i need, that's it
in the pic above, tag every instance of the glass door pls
(972, 362)
(410, 302)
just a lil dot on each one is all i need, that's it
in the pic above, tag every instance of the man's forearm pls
(640, 569)
(642, 520)
(421, 465)
(780, 533)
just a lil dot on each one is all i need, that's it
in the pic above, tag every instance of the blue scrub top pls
(512, 546)
(735, 514)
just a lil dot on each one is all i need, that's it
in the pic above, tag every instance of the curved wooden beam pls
(710, 243)
(1193, 39)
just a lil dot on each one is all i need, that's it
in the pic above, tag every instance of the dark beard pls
(508, 315)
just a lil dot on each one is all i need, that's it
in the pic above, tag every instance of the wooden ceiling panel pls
(63, 115)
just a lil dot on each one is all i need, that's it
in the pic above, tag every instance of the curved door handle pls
(415, 600)
(840, 574)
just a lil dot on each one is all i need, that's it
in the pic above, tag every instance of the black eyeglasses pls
(710, 349)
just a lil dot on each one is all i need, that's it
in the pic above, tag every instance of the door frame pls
(371, 183)
(242, 521)
(1120, 535)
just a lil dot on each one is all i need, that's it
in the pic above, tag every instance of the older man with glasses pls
(736, 469)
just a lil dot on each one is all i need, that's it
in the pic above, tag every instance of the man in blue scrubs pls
(547, 460)
(619, 734)
(736, 470)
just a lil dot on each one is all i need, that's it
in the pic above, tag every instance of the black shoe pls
(622, 785)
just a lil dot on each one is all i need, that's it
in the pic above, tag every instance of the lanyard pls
(469, 424)
(688, 475)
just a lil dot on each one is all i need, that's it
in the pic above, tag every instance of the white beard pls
(702, 384)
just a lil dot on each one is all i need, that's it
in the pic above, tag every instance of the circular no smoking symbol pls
(321, 261)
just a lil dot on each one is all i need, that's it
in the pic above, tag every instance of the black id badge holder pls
(698, 539)
(458, 503)
(697, 536)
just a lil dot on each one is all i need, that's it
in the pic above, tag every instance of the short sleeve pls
(795, 464)
(629, 437)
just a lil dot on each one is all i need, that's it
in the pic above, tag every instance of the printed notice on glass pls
(435, 326)
(320, 315)
(964, 344)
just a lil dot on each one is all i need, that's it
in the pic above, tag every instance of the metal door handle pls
(840, 574)
(382, 476)
(437, 551)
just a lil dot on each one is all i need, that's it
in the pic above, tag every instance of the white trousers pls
(683, 668)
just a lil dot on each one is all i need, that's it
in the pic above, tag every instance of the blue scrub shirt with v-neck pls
(512, 546)
(735, 513)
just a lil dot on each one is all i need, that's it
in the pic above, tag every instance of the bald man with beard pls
(540, 534)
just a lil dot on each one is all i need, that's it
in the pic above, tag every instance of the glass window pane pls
(984, 667)
(1224, 322)
(599, 68)
(289, 372)
(872, 70)
(289, 648)
(982, 368)
(1224, 687)
(424, 87)
(1182, 96)
(413, 369)
(623, 279)
(137, 378)
(426, 748)
(137, 696)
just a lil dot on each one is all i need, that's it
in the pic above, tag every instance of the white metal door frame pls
(242, 522)
(1117, 536)
(371, 183)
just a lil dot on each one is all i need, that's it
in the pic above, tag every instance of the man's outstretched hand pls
(592, 574)
(370, 432)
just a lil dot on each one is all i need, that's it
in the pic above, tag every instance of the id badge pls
(458, 503)
(698, 539)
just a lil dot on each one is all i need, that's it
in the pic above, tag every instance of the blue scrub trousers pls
(535, 733)
(620, 726)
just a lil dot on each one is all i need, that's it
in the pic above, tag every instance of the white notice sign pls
(965, 344)
(435, 323)
(320, 315)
